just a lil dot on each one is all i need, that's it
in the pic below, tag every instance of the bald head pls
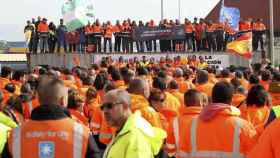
(52, 92)
(117, 95)
(139, 86)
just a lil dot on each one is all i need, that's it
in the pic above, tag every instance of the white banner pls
(221, 60)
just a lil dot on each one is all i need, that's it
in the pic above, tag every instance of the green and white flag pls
(77, 13)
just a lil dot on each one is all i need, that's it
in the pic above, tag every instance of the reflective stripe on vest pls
(103, 135)
(16, 148)
(176, 131)
(276, 110)
(213, 154)
(30, 107)
(94, 125)
(78, 140)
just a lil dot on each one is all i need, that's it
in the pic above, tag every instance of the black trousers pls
(109, 40)
(258, 39)
(98, 44)
(117, 46)
(211, 41)
(72, 48)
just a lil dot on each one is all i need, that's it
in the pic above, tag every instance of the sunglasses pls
(109, 106)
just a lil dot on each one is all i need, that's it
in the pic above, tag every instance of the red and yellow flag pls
(242, 45)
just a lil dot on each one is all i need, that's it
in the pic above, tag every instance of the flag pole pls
(161, 9)
(179, 9)
(271, 30)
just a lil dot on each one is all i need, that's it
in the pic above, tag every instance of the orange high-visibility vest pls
(79, 117)
(88, 29)
(268, 144)
(186, 114)
(59, 138)
(225, 135)
(258, 26)
(189, 28)
(28, 108)
(96, 29)
(257, 116)
(109, 31)
(205, 88)
(275, 98)
(211, 28)
(3, 82)
(238, 99)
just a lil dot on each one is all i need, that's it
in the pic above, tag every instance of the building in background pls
(250, 9)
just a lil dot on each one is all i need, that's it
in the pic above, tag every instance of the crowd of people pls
(140, 109)
(200, 35)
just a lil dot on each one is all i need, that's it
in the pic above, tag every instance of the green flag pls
(77, 13)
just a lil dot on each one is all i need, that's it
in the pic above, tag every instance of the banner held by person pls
(155, 33)
(230, 14)
(77, 13)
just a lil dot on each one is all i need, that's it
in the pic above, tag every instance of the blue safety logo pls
(46, 149)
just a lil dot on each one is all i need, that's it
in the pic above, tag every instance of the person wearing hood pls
(218, 131)
(135, 137)
(139, 92)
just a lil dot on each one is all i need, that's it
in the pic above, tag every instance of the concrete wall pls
(67, 60)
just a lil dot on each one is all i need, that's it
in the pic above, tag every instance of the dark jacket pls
(54, 112)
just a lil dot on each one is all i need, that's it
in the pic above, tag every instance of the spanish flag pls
(242, 45)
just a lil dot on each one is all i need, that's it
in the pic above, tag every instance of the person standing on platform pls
(210, 35)
(179, 43)
(140, 44)
(36, 37)
(198, 33)
(108, 32)
(229, 34)
(29, 32)
(130, 40)
(259, 32)
(126, 34)
(118, 39)
(195, 22)
(189, 31)
(61, 36)
(82, 40)
(43, 32)
(52, 37)
(153, 42)
(73, 39)
(220, 33)
(97, 31)
(149, 42)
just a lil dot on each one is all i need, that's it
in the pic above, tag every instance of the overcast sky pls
(14, 13)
